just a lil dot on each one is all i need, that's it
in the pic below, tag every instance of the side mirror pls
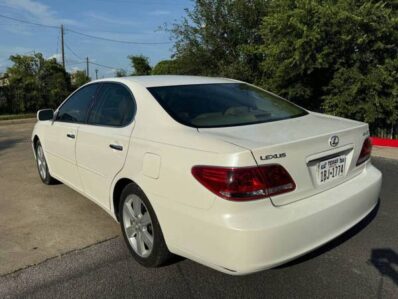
(45, 114)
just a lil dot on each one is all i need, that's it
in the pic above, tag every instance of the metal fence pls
(389, 133)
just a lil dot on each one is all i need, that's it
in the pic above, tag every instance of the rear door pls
(103, 142)
(61, 136)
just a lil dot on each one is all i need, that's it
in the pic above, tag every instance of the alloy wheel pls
(41, 162)
(137, 224)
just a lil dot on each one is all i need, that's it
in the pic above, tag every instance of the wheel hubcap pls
(137, 225)
(41, 162)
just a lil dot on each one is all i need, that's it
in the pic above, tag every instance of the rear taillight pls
(365, 151)
(245, 183)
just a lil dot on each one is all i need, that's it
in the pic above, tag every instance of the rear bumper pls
(240, 240)
(312, 222)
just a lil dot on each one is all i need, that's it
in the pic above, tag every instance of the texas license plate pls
(331, 169)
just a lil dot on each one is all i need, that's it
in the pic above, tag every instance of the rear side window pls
(115, 106)
(75, 109)
(223, 104)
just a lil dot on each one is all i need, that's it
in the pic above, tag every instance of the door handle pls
(71, 136)
(116, 147)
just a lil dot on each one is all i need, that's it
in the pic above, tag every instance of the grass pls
(17, 116)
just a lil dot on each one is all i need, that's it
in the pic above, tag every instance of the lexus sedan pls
(212, 169)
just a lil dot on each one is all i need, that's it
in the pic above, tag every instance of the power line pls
(143, 2)
(106, 66)
(116, 40)
(76, 63)
(28, 22)
(85, 34)
(90, 62)
(73, 52)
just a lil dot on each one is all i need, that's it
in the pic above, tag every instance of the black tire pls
(44, 174)
(159, 253)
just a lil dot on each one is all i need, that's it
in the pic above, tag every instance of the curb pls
(17, 121)
(385, 152)
(384, 142)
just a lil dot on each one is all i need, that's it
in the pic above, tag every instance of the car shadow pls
(9, 143)
(335, 242)
(384, 260)
(174, 259)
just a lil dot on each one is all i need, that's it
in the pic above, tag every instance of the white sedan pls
(212, 169)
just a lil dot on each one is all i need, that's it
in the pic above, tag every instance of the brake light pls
(244, 183)
(365, 151)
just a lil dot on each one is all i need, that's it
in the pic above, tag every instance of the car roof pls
(168, 80)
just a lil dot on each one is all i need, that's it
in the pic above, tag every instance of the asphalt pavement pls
(363, 263)
(37, 221)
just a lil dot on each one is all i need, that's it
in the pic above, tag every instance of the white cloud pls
(36, 11)
(6, 51)
(74, 69)
(57, 56)
(159, 12)
(110, 20)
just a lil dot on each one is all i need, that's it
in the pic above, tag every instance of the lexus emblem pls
(334, 141)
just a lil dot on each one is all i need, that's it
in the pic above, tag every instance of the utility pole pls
(62, 46)
(96, 74)
(87, 69)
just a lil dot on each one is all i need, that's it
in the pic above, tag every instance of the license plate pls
(331, 169)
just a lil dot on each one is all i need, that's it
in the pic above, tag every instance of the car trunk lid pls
(300, 145)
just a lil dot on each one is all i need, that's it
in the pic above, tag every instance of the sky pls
(127, 20)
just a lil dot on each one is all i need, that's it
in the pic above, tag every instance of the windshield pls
(223, 104)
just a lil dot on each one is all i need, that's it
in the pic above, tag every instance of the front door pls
(62, 134)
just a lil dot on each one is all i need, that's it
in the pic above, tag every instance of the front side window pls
(75, 109)
(114, 106)
(223, 104)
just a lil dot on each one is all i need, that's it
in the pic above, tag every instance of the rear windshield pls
(223, 105)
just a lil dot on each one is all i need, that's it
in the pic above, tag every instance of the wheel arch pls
(120, 184)
(117, 192)
(35, 140)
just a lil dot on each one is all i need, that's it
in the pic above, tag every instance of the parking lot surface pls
(39, 222)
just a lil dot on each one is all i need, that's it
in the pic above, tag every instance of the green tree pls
(216, 38)
(55, 81)
(140, 65)
(36, 83)
(23, 83)
(340, 56)
(79, 78)
(5, 100)
(120, 73)
(166, 67)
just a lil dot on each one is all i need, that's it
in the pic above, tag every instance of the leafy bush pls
(35, 83)
(334, 56)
